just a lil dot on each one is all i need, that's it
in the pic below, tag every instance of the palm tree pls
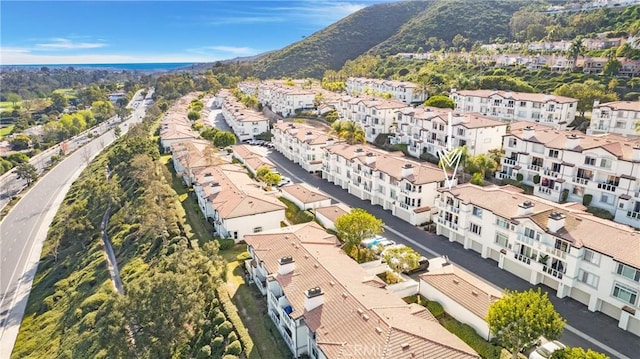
(484, 163)
(576, 49)
(349, 131)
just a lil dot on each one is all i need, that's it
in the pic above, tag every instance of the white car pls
(545, 350)
(284, 181)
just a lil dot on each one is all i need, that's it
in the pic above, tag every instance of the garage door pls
(476, 246)
(548, 281)
(517, 269)
(495, 255)
(580, 295)
(634, 326)
(610, 310)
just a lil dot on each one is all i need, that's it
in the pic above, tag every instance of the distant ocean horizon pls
(151, 66)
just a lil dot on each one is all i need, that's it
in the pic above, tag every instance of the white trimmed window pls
(502, 240)
(591, 257)
(477, 211)
(625, 294)
(628, 272)
(474, 228)
(588, 278)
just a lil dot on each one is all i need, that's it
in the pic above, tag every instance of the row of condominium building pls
(592, 260)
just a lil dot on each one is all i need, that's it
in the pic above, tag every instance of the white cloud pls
(66, 44)
(234, 50)
(321, 12)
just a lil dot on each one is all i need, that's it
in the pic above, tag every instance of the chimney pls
(556, 222)
(330, 141)
(286, 265)
(358, 151)
(407, 170)
(573, 141)
(596, 103)
(528, 132)
(308, 136)
(525, 208)
(314, 298)
(635, 154)
(369, 158)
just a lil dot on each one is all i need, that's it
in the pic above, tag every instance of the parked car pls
(545, 350)
(284, 181)
(423, 265)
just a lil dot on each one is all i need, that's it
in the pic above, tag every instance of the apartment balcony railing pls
(503, 175)
(447, 224)
(404, 206)
(544, 190)
(551, 173)
(509, 161)
(580, 180)
(633, 214)
(534, 168)
(556, 273)
(524, 239)
(556, 252)
(607, 187)
(522, 258)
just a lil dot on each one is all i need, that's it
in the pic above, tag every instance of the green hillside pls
(474, 20)
(347, 39)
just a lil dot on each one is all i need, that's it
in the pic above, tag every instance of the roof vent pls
(475, 294)
(379, 330)
(404, 346)
(360, 311)
(365, 317)
(286, 260)
(455, 281)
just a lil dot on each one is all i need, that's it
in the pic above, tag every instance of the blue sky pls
(76, 32)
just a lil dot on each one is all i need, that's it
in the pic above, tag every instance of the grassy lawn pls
(67, 92)
(252, 307)
(4, 131)
(200, 228)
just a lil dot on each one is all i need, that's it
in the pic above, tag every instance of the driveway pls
(584, 329)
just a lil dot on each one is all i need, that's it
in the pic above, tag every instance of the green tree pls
(348, 130)
(612, 67)
(577, 353)
(193, 116)
(266, 175)
(20, 142)
(117, 131)
(402, 259)
(520, 318)
(58, 102)
(440, 101)
(14, 98)
(26, 171)
(576, 49)
(357, 225)
(482, 164)
(223, 139)
(102, 110)
(586, 93)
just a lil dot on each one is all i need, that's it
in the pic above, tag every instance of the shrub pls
(243, 256)
(217, 342)
(586, 199)
(469, 336)
(564, 195)
(235, 348)
(429, 158)
(229, 356)
(205, 352)
(219, 318)
(536, 179)
(477, 179)
(225, 243)
(224, 328)
(232, 314)
(519, 177)
(435, 308)
(232, 337)
(599, 212)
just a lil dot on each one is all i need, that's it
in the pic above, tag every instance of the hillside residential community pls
(406, 179)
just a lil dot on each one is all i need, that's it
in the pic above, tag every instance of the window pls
(502, 223)
(474, 228)
(625, 294)
(502, 240)
(537, 105)
(513, 142)
(629, 272)
(529, 233)
(553, 153)
(605, 163)
(589, 161)
(591, 257)
(477, 211)
(257, 229)
(588, 278)
(523, 104)
(605, 198)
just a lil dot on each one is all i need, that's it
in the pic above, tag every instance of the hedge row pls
(232, 315)
(468, 335)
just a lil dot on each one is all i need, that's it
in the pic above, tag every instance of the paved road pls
(24, 229)
(584, 329)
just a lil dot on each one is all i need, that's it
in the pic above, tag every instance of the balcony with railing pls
(525, 239)
(551, 173)
(509, 161)
(611, 187)
(534, 168)
(556, 252)
(522, 258)
(633, 214)
(580, 180)
(554, 272)
(448, 224)
(504, 175)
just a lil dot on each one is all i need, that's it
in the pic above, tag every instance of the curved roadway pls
(24, 229)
